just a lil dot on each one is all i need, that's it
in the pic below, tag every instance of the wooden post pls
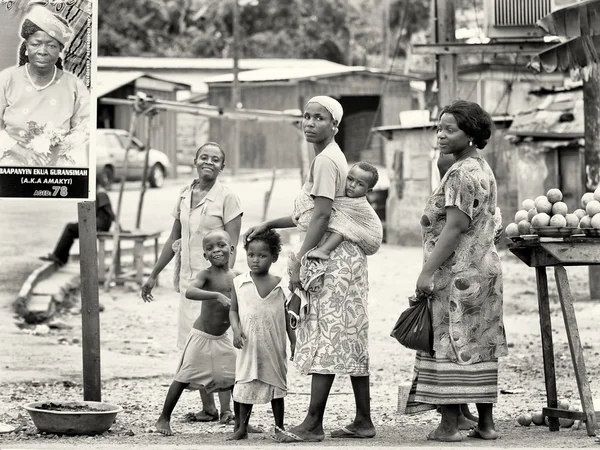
(235, 88)
(566, 303)
(90, 312)
(591, 109)
(445, 32)
(547, 344)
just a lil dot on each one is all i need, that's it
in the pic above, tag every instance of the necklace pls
(35, 85)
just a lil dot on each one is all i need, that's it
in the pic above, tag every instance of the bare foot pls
(465, 424)
(237, 436)
(488, 434)
(163, 426)
(441, 436)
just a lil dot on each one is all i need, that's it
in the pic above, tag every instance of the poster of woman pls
(45, 68)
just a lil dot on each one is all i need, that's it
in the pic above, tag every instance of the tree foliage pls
(332, 29)
(344, 31)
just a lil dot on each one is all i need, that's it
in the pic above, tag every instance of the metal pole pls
(235, 94)
(90, 311)
(150, 114)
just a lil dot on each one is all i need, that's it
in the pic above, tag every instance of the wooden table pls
(139, 238)
(558, 253)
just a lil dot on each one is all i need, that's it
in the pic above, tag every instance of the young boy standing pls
(208, 358)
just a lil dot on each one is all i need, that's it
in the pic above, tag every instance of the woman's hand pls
(295, 278)
(26, 155)
(425, 283)
(253, 231)
(147, 289)
(238, 338)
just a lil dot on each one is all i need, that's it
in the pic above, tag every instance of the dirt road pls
(138, 358)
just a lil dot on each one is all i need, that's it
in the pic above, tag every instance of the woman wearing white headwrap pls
(44, 111)
(333, 339)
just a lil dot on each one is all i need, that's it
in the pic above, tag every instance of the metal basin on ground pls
(73, 418)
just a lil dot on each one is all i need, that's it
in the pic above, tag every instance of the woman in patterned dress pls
(462, 270)
(333, 338)
(38, 94)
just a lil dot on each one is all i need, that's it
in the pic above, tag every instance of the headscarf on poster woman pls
(44, 110)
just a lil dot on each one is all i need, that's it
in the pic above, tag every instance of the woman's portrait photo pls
(44, 83)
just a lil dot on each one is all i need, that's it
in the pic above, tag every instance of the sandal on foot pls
(51, 257)
(205, 416)
(226, 418)
(345, 432)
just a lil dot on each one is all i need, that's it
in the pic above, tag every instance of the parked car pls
(110, 159)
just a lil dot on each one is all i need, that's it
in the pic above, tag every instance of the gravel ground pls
(133, 328)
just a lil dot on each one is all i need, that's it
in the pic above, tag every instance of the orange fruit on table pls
(554, 195)
(560, 208)
(527, 204)
(558, 220)
(531, 214)
(593, 208)
(543, 205)
(585, 222)
(540, 220)
(521, 215)
(524, 227)
(595, 222)
(512, 230)
(580, 213)
(586, 198)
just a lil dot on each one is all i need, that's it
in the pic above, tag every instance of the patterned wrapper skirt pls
(440, 381)
(334, 336)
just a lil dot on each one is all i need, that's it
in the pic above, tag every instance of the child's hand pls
(224, 300)
(238, 339)
(293, 347)
(317, 253)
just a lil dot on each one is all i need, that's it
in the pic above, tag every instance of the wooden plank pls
(547, 345)
(525, 48)
(584, 254)
(90, 312)
(563, 413)
(566, 303)
(446, 64)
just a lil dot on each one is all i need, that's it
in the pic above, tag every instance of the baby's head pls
(262, 251)
(362, 178)
(217, 247)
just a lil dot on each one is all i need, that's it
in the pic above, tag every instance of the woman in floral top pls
(44, 111)
(462, 270)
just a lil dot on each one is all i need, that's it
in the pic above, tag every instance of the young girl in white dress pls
(259, 322)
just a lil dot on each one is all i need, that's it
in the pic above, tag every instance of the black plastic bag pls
(413, 329)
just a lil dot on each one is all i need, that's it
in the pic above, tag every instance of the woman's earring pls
(26, 53)
(470, 143)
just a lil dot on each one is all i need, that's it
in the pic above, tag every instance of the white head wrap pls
(331, 105)
(48, 22)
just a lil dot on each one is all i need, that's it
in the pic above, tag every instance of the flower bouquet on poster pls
(45, 141)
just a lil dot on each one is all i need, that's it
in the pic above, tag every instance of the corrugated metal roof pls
(556, 115)
(141, 63)
(299, 73)
(108, 81)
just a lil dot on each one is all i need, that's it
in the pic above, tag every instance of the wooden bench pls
(139, 239)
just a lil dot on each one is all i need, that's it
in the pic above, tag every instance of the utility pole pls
(385, 49)
(446, 67)
(235, 88)
(591, 109)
